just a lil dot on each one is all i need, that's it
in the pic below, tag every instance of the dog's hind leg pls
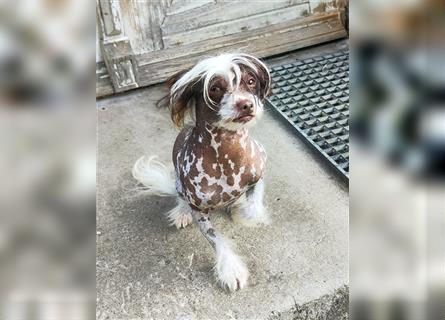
(230, 270)
(249, 209)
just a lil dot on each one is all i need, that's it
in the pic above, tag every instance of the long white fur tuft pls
(155, 176)
(220, 65)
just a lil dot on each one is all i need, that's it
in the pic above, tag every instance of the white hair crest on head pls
(207, 69)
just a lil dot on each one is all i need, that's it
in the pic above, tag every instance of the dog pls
(217, 164)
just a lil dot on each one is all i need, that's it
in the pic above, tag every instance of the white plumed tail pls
(155, 176)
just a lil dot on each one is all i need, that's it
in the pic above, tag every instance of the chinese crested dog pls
(217, 163)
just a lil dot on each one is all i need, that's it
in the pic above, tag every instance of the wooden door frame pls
(123, 70)
(117, 54)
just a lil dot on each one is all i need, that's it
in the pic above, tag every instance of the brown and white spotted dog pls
(217, 163)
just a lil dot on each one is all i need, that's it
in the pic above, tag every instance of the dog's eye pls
(215, 89)
(251, 82)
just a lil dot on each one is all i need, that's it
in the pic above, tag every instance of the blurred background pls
(397, 203)
(47, 159)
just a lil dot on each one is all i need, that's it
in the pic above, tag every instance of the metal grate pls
(313, 96)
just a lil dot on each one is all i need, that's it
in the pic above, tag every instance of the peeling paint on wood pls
(111, 17)
(142, 20)
(124, 73)
(323, 6)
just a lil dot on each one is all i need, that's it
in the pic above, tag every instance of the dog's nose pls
(244, 105)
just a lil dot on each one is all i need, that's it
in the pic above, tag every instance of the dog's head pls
(227, 91)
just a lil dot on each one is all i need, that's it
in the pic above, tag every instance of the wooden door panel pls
(156, 67)
(236, 26)
(144, 42)
(217, 12)
(142, 23)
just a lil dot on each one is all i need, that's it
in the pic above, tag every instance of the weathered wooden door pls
(142, 42)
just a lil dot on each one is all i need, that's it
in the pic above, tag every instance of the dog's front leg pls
(249, 209)
(230, 270)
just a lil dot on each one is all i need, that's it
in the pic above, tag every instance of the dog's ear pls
(179, 99)
(175, 77)
(265, 80)
(263, 77)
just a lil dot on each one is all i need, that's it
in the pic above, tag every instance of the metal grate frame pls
(313, 96)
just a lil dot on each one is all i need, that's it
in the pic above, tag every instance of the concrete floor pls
(148, 270)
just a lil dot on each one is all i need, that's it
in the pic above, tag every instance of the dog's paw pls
(231, 272)
(180, 216)
(182, 220)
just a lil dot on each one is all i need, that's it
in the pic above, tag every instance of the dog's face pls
(227, 91)
(235, 102)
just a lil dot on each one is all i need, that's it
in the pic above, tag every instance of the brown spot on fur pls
(193, 171)
(210, 157)
(230, 181)
(228, 170)
(225, 197)
(197, 200)
(216, 197)
(193, 206)
(189, 186)
(246, 178)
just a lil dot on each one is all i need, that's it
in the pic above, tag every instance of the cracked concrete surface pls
(148, 270)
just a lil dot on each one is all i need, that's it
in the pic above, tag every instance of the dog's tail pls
(155, 176)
